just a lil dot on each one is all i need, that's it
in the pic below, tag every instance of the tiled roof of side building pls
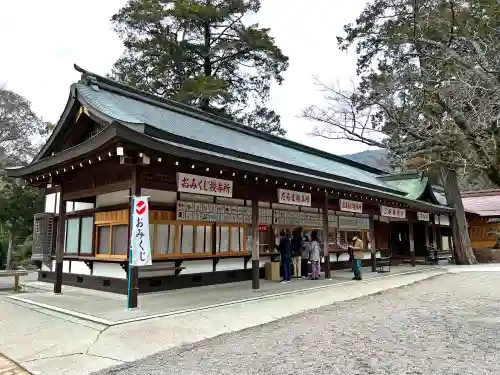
(483, 202)
(130, 106)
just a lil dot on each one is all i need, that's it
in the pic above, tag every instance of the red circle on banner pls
(140, 207)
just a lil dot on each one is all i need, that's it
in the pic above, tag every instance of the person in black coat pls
(285, 249)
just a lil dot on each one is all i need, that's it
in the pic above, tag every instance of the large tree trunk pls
(10, 250)
(459, 227)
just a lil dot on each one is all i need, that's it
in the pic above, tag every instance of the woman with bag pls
(356, 247)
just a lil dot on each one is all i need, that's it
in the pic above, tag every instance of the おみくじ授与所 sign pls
(190, 183)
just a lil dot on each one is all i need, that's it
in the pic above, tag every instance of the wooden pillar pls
(426, 235)
(373, 244)
(255, 246)
(61, 235)
(412, 241)
(326, 248)
(451, 244)
(133, 272)
(434, 236)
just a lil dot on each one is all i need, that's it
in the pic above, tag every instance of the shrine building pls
(219, 194)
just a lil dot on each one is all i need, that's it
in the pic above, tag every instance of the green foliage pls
(18, 124)
(18, 205)
(429, 72)
(200, 52)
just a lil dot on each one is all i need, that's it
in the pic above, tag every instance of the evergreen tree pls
(429, 90)
(200, 52)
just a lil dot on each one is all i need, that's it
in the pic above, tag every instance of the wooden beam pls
(110, 188)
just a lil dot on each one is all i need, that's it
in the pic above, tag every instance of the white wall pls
(232, 201)
(50, 201)
(197, 266)
(52, 204)
(111, 199)
(66, 266)
(80, 268)
(109, 270)
(288, 207)
(196, 197)
(231, 264)
(445, 243)
(160, 196)
(151, 273)
(78, 206)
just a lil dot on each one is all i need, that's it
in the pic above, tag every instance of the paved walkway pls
(7, 283)
(442, 326)
(109, 309)
(51, 342)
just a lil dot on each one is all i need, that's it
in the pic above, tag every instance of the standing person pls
(285, 249)
(306, 250)
(356, 248)
(315, 256)
(296, 253)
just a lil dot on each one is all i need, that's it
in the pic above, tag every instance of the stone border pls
(18, 369)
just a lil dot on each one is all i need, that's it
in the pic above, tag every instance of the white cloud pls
(41, 40)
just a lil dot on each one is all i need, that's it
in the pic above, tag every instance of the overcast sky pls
(41, 40)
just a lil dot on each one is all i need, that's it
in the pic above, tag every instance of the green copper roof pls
(413, 187)
(135, 111)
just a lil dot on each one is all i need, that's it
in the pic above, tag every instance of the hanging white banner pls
(296, 198)
(423, 216)
(139, 234)
(393, 212)
(351, 206)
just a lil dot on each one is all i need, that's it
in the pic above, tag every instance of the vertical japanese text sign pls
(139, 233)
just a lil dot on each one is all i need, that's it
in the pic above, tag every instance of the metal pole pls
(255, 246)
(129, 274)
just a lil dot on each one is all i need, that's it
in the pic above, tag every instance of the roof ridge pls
(400, 176)
(90, 78)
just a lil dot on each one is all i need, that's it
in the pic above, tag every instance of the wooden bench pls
(383, 262)
(15, 275)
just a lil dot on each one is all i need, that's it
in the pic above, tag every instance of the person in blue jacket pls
(285, 249)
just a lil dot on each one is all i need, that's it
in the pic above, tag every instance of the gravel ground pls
(446, 325)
